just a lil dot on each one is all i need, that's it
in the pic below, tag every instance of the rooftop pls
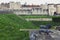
(30, 5)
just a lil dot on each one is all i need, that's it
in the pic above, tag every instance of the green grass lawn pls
(10, 25)
(38, 23)
(38, 16)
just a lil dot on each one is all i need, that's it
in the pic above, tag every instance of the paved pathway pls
(52, 36)
(39, 19)
(44, 36)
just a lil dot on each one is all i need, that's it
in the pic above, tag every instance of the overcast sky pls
(33, 1)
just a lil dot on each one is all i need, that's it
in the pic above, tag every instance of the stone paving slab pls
(44, 36)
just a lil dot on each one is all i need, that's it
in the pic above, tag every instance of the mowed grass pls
(37, 16)
(10, 25)
(38, 23)
(53, 24)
